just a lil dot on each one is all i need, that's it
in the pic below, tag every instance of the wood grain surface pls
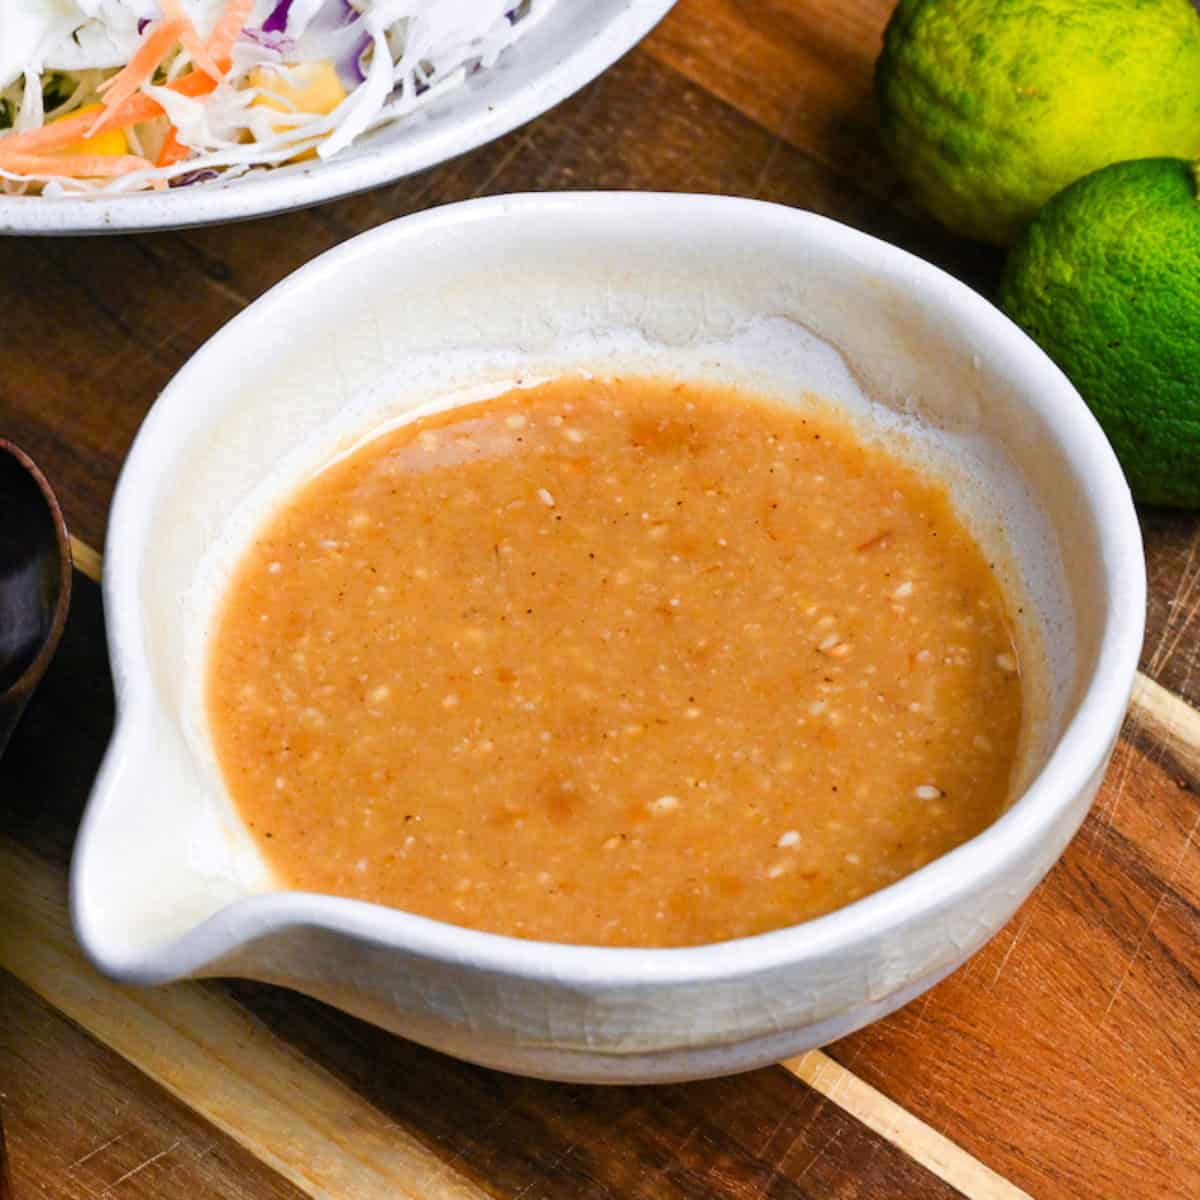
(1058, 1063)
(85, 1123)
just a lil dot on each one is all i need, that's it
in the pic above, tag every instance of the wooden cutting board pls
(1059, 1063)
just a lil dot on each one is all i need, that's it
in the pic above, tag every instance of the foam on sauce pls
(616, 662)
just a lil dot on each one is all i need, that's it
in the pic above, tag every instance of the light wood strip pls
(935, 1152)
(206, 1050)
(1169, 719)
(87, 561)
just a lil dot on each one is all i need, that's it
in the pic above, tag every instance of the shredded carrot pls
(136, 109)
(72, 166)
(173, 150)
(193, 43)
(229, 26)
(34, 151)
(139, 70)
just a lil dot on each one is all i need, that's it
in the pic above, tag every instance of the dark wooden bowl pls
(35, 581)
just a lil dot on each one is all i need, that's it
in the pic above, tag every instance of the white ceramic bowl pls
(576, 41)
(166, 883)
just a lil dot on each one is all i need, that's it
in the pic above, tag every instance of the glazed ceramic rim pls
(1075, 758)
(370, 164)
(30, 677)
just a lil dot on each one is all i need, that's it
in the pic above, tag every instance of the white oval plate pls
(576, 42)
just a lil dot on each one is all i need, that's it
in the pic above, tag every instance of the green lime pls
(1107, 280)
(989, 107)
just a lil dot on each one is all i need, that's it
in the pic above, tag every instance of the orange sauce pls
(619, 662)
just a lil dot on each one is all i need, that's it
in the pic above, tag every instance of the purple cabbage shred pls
(190, 177)
(277, 21)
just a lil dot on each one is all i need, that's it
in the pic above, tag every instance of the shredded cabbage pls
(391, 57)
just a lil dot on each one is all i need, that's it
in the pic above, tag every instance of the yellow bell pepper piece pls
(307, 88)
(109, 142)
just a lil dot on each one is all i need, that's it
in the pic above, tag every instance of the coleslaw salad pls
(128, 95)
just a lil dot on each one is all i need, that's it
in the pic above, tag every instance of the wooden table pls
(1060, 1062)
